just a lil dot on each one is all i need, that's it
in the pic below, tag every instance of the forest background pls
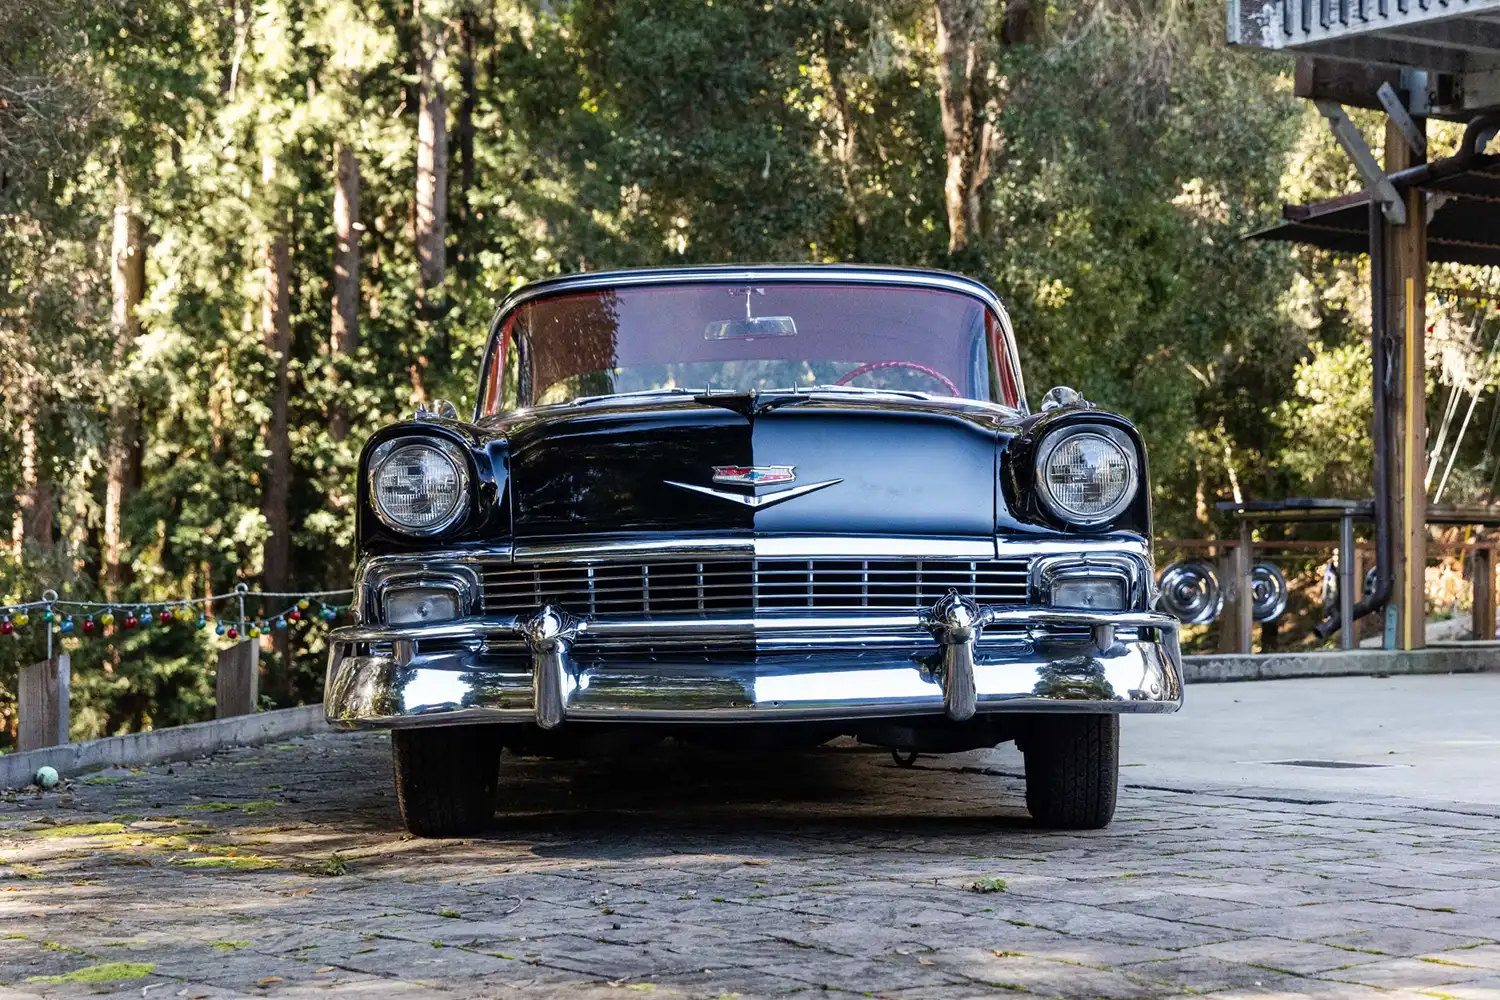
(236, 236)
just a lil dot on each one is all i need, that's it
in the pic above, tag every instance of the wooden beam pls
(1351, 84)
(42, 704)
(1406, 323)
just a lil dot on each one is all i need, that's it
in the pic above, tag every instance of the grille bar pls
(749, 585)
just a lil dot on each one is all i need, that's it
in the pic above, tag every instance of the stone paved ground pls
(281, 871)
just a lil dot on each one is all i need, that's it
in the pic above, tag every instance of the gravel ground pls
(283, 871)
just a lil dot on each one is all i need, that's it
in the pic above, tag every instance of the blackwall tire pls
(447, 778)
(1072, 770)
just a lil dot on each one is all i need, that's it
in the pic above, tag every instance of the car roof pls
(854, 273)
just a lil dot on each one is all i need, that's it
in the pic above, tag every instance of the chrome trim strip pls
(793, 547)
(486, 630)
(829, 273)
(1007, 547)
(862, 547)
(716, 547)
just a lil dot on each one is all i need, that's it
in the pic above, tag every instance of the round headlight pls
(1087, 476)
(419, 487)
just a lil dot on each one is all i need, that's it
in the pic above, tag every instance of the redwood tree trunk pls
(277, 335)
(344, 330)
(33, 520)
(466, 107)
(432, 150)
(128, 283)
(964, 94)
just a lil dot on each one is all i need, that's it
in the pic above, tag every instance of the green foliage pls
(1135, 151)
(1325, 422)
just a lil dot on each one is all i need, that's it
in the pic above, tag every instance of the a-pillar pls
(1406, 322)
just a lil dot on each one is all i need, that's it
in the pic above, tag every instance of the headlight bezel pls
(456, 455)
(1114, 436)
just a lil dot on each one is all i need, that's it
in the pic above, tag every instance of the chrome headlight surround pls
(1112, 436)
(1129, 571)
(375, 578)
(447, 449)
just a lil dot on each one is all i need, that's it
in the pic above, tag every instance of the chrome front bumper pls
(553, 667)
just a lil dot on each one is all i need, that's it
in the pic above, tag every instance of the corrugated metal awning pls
(1464, 226)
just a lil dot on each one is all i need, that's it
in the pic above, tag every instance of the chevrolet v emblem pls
(756, 502)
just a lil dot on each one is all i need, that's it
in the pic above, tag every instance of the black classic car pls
(761, 507)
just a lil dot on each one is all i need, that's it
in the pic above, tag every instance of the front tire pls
(447, 778)
(1072, 770)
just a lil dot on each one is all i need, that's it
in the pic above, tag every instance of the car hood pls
(887, 464)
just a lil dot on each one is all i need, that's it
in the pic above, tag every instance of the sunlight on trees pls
(237, 237)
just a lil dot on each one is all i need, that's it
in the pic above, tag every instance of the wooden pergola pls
(1414, 60)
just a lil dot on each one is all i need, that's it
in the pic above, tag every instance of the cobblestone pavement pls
(282, 871)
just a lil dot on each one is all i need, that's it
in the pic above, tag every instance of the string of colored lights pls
(60, 615)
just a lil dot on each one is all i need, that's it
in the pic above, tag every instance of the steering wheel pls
(877, 365)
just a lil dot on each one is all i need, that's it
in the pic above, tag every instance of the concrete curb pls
(1466, 659)
(157, 745)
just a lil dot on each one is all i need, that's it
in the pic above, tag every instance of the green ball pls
(46, 777)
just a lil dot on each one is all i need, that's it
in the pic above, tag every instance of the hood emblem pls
(749, 499)
(754, 475)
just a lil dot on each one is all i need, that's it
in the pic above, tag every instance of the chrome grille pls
(748, 585)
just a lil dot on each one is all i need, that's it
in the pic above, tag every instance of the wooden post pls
(1229, 617)
(1244, 556)
(1406, 323)
(43, 704)
(1484, 592)
(237, 688)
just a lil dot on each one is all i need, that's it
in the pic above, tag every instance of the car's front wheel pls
(1072, 770)
(447, 778)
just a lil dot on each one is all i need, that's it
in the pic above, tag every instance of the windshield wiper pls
(674, 390)
(909, 393)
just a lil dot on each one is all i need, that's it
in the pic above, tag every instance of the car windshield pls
(748, 338)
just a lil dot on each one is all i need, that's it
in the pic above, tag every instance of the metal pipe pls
(1380, 349)
(1346, 581)
(1468, 152)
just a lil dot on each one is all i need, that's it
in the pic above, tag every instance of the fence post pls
(1229, 617)
(42, 698)
(1484, 592)
(237, 687)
